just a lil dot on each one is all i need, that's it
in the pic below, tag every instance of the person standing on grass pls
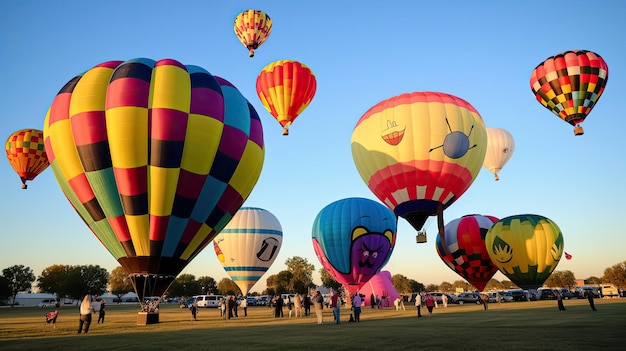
(51, 318)
(430, 304)
(356, 304)
(307, 304)
(336, 305)
(559, 301)
(194, 310)
(418, 304)
(297, 304)
(85, 314)
(318, 303)
(244, 305)
(101, 312)
(591, 302)
(444, 299)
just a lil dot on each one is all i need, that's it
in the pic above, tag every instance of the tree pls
(616, 275)
(462, 284)
(280, 283)
(432, 287)
(301, 274)
(561, 279)
(446, 287)
(184, 285)
(416, 286)
(401, 283)
(593, 281)
(20, 278)
(328, 280)
(227, 286)
(74, 281)
(5, 288)
(208, 285)
(120, 283)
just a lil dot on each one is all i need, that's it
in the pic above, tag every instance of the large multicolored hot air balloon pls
(248, 245)
(353, 238)
(26, 154)
(156, 157)
(526, 248)
(569, 84)
(500, 148)
(419, 152)
(465, 251)
(252, 28)
(286, 88)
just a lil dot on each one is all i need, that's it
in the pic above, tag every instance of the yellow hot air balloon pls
(500, 148)
(252, 28)
(26, 154)
(526, 248)
(419, 152)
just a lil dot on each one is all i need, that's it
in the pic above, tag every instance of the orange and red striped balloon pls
(26, 153)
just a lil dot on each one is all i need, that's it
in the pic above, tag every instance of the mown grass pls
(510, 326)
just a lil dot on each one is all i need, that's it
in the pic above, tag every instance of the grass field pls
(536, 325)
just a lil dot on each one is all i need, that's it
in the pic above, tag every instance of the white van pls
(609, 290)
(208, 301)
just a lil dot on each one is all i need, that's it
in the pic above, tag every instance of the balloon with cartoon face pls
(353, 238)
(526, 248)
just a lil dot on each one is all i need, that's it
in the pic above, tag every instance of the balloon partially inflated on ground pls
(419, 152)
(353, 238)
(156, 157)
(248, 246)
(465, 251)
(526, 248)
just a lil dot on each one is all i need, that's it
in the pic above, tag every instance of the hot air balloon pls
(26, 154)
(248, 245)
(252, 28)
(156, 157)
(526, 248)
(569, 84)
(465, 251)
(419, 152)
(286, 88)
(500, 148)
(353, 238)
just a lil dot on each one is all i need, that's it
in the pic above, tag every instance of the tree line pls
(74, 282)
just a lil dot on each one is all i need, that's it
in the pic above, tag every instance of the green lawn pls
(536, 325)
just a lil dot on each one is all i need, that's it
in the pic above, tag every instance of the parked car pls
(188, 302)
(608, 290)
(263, 300)
(505, 296)
(582, 291)
(464, 298)
(49, 303)
(566, 293)
(545, 294)
(519, 295)
(252, 301)
(451, 297)
(208, 301)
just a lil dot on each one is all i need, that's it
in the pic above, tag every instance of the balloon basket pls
(285, 131)
(145, 318)
(579, 131)
(420, 238)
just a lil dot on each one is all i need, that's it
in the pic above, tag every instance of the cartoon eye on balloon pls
(396, 150)
(156, 157)
(569, 84)
(26, 153)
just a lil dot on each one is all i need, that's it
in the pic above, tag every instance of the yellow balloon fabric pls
(526, 248)
(419, 151)
(252, 28)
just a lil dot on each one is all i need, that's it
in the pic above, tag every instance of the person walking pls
(318, 303)
(194, 310)
(430, 304)
(307, 305)
(85, 314)
(418, 304)
(297, 303)
(591, 302)
(559, 301)
(101, 311)
(244, 305)
(51, 318)
(336, 305)
(444, 299)
(485, 300)
(356, 304)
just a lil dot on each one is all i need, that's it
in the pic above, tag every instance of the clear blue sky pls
(362, 52)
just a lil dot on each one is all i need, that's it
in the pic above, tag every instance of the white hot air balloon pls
(248, 245)
(500, 147)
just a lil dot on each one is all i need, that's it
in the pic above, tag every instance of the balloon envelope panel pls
(526, 248)
(156, 157)
(353, 238)
(248, 245)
